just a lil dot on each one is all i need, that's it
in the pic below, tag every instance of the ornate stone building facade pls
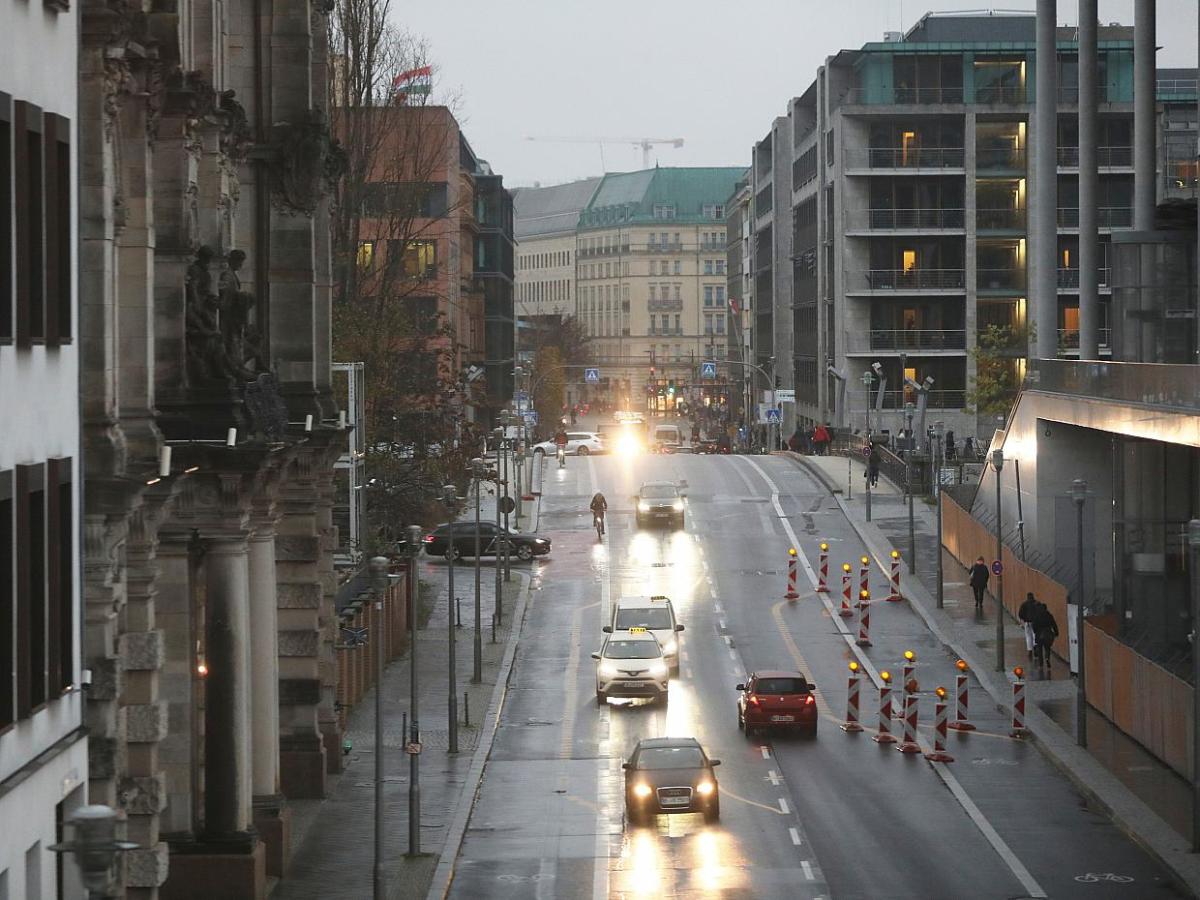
(209, 432)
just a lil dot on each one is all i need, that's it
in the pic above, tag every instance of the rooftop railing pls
(906, 339)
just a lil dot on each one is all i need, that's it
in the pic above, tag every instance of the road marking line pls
(733, 655)
(687, 673)
(795, 835)
(747, 800)
(717, 608)
(807, 867)
(773, 777)
(728, 640)
(783, 806)
(766, 753)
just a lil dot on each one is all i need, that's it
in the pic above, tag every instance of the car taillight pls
(809, 699)
(428, 539)
(753, 700)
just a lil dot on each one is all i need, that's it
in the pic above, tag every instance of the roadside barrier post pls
(851, 724)
(1018, 706)
(791, 584)
(847, 581)
(895, 596)
(864, 619)
(909, 744)
(939, 753)
(823, 579)
(908, 681)
(960, 722)
(864, 573)
(884, 735)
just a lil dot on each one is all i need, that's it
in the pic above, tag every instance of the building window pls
(662, 238)
(664, 211)
(60, 539)
(30, 262)
(719, 321)
(6, 204)
(708, 323)
(678, 267)
(678, 295)
(7, 601)
(708, 295)
(708, 267)
(720, 267)
(366, 254)
(720, 292)
(678, 330)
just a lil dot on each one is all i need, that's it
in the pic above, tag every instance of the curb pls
(1100, 787)
(444, 873)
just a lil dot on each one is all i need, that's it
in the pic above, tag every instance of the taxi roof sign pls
(637, 629)
(659, 597)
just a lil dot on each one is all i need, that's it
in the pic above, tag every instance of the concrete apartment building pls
(43, 746)
(891, 211)
(652, 281)
(739, 257)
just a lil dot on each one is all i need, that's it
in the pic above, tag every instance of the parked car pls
(777, 700)
(456, 539)
(670, 775)
(579, 443)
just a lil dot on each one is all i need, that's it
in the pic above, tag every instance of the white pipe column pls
(1089, 223)
(1045, 195)
(1144, 125)
(264, 663)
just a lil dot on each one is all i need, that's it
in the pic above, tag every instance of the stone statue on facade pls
(242, 345)
(207, 358)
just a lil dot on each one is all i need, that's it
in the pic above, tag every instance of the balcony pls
(1004, 158)
(918, 96)
(1000, 219)
(1006, 279)
(905, 158)
(1068, 338)
(675, 305)
(913, 279)
(909, 340)
(1000, 93)
(669, 247)
(904, 219)
(1107, 216)
(1106, 157)
(1068, 279)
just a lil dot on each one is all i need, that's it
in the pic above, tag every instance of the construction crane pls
(645, 143)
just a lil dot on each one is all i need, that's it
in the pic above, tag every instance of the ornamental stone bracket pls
(307, 160)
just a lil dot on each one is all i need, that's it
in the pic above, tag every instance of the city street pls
(835, 816)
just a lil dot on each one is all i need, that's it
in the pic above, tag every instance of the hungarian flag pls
(733, 305)
(414, 81)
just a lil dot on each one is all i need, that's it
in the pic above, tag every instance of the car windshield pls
(670, 758)
(781, 686)
(643, 617)
(658, 491)
(631, 650)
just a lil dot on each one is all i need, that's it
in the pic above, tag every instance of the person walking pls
(1045, 628)
(821, 440)
(951, 452)
(980, 575)
(1025, 614)
(873, 466)
(794, 441)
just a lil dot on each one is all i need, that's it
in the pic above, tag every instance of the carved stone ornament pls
(235, 133)
(310, 161)
(265, 406)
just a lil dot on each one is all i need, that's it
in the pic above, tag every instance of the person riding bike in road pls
(599, 508)
(560, 441)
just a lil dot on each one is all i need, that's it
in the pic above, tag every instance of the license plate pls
(674, 801)
(783, 718)
(633, 684)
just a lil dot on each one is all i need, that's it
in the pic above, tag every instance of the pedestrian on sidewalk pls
(873, 466)
(980, 575)
(1025, 614)
(794, 441)
(821, 440)
(951, 452)
(1046, 628)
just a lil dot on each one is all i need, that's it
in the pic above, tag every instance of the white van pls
(666, 436)
(656, 614)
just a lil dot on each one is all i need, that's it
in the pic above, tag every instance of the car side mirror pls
(714, 762)
(811, 686)
(626, 765)
(679, 628)
(607, 629)
(636, 498)
(740, 687)
(595, 656)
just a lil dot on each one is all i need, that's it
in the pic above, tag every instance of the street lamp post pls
(505, 418)
(451, 494)
(939, 428)
(867, 380)
(912, 534)
(95, 847)
(1079, 495)
(998, 464)
(379, 583)
(477, 472)
(414, 756)
(1194, 572)
(501, 537)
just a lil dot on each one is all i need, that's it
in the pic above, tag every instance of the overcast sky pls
(712, 72)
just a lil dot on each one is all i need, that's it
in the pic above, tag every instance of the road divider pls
(823, 569)
(1018, 705)
(852, 724)
(847, 582)
(894, 596)
(791, 576)
(909, 744)
(908, 679)
(864, 619)
(864, 574)
(962, 682)
(884, 735)
(939, 754)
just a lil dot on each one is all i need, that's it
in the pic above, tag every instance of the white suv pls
(579, 443)
(631, 664)
(655, 614)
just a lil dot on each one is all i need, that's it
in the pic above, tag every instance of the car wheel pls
(601, 698)
(582, 451)
(524, 552)
(451, 554)
(713, 813)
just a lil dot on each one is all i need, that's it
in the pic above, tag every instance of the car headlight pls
(541, 542)
(677, 506)
(670, 647)
(658, 670)
(705, 788)
(607, 670)
(642, 790)
(643, 507)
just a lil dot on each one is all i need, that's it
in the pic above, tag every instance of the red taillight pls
(428, 539)
(809, 699)
(753, 700)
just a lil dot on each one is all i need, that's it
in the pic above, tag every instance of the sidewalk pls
(1142, 795)
(333, 839)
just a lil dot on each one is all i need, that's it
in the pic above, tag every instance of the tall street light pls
(379, 584)
(414, 748)
(939, 429)
(501, 537)
(998, 464)
(1194, 572)
(912, 534)
(477, 473)
(867, 380)
(1079, 495)
(506, 447)
(451, 495)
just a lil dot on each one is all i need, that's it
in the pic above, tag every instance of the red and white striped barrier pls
(884, 735)
(960, 722)
(847, 583)
(939, 753)
(894, 596)
(851, 724)
(864, 574)
(864, 619)
(823, 578)
(1018, 705)
(908, 681)
(791, 584)
(909, 744)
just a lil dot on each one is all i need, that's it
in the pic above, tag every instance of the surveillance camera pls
(85, 678)
(928, 382)
(878, 368)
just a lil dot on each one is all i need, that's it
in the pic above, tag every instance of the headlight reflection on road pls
(711, 871)
(681, 710)
(645, 864)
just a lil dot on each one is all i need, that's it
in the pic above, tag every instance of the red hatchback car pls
(777, 700)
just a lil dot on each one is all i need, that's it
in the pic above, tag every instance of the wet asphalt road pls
(839, 816)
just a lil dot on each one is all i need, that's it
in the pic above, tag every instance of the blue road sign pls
(997, 567)
(591, 376)
(773, 416)
(708, 370)
(531, 417)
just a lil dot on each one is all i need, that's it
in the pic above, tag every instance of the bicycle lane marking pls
(956, 789)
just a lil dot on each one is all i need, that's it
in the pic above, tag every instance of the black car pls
(659, 502)
(456, 539)
(670, 775)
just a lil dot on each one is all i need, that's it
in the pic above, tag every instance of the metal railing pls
(1069, 278)
(1108, 217)
(1009, 279)
(904, 95)
(915, 279)
(664, 305)
(939, 399)
(905, 158)
(1000, 93)
(1000, 158)
(907, 339)
(1152, 384)
(904, 218)
(1004, 218)
(1068, 338)
(1106, 157)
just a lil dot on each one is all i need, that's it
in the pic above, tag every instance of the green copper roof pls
(634, 197)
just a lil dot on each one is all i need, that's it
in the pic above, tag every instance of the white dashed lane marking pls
(795, 836)
(807, 867)
(783, 806)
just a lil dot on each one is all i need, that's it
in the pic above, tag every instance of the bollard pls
(895, 596)
(908, 681)
(864, 619)
(939, 753)
(909, 744)
(847, 578)
(960, 722)
(791, 582)
(466, 709)
(1018, 707)
(884, 735)
(404, 727)
(851, 723)
(864, 573)
(823, 579)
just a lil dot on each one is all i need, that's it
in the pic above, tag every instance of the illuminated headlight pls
(608, 670)
(670, 647)
(677, 506)
(642, 790)
(658, 670)
(643, 507)
(705, 788)
(541, 542)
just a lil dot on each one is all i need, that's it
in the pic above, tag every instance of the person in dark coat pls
(951, 452)
(980, 575)
(1025, 614)
(1045, 628)
(873, 467)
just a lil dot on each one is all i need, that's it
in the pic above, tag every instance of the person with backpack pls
(980, 575)
(1045, 629)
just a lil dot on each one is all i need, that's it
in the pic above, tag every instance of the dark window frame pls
(8, 709)
(56, 147)
(30, 235)
(6, 220)
(60, 546)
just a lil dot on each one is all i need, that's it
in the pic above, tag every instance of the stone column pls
(1089, 224)
(1044, 230)
(1144, 119)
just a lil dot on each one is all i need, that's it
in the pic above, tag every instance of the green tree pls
(995, 386)
(549, 381)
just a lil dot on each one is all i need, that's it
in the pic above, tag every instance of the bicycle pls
(598, 524)
(562, 456)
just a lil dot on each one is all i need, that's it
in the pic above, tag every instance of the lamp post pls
(414, 751)
(912, 534)
(379, 582)
(451, 494)
(501, 537)
(939, 429)
(1194, 572)
(1079, 495)
(506, 420)
(867, 380)
(95, 847)
(477, 473)
(998, 464)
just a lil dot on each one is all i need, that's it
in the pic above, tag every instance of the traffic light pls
(671, 387)
(652, 371)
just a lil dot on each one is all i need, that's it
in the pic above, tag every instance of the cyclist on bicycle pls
(599, 508)
(560, 441)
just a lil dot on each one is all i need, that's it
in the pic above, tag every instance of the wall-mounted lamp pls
(164, 461)
(231, 437)
(308, 423)
(342, 419)
(190, 469)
